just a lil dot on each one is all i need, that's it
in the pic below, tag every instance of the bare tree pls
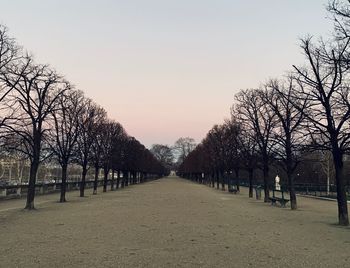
(324, 82)
(340, 9)
(260, 119)
(132, 156)
(9, 53)
(184, 146)
(98, 141)
(36, 89)
(86, 134)
(249, 150)
(232, 151)
(112, 132)
(64, 132)
(118, 151)
(9, 50)
(164, 154)
(194, 165)
(280, 96)
(215, 142)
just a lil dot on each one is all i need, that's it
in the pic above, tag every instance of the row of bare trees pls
(308, 109)
(172, 156)
(45, 119)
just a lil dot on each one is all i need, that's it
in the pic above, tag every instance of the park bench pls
(283, 201)
(233, 190)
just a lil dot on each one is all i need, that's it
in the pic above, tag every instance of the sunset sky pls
(165, 69)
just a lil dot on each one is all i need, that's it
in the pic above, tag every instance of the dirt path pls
(171, 223)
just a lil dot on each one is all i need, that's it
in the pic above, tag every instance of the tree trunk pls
(31, 185)
(118, 178)
(293, 197)
(237, 179)
(105, 178)
(123, 180)
(229, 181)
(83, 178)
(250, 172)
(290, 177)
(266, 180)
(97, 169)
(112, 181)
(64, 183)
(134, 177)
(343, 216)
(34, 166)
(131, 178)
(142, 174)
(222, 181)
(289, 169)
(126, 178)
(217, 180)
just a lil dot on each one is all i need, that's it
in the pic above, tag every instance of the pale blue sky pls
(165, 69)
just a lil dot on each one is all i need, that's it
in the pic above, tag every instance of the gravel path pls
(171, 223)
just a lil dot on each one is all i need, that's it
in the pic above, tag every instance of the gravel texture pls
(171, 223)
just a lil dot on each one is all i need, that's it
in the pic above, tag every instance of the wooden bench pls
(283, 201)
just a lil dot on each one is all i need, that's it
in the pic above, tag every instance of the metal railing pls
(13, 191)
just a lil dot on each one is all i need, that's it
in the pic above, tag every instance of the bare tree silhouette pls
(261, 120)
(35, 91)
(64, 131)
(288, 132)
(324, 83)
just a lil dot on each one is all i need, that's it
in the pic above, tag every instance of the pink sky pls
(165, 69)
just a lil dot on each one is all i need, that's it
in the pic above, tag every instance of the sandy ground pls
(171, 223)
